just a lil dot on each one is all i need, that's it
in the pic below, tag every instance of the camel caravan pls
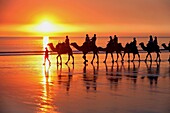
(113, 46)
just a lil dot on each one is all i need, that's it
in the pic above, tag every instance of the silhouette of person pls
(87, 38)
(134, 42)
(46, 56)
(115, 39)
(150, 39)
(67, 41)
(111, 40)
(155, 41)
(94, 40)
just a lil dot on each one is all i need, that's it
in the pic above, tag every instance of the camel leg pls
(60, 59)
(128, 57)
(138, 56)
(117, 57)
(93, 57)
(147, 57)
(133, 57)
(57, 59)
(150, 57)
(112, 57)
(123, 56)
(84, 57)
(68, 59)
(97, 58)
(158, 56)
(105, 57)
(72, 58)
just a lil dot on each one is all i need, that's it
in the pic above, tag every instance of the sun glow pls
(46, 26)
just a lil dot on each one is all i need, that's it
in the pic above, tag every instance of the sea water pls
(27, 86)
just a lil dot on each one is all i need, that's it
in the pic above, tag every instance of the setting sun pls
(45, 26)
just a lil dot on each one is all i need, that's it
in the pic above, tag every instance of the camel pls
(150, 50)
(85, 48)
(118, 48)
(129, 48)
(62, 49)
(167, 48)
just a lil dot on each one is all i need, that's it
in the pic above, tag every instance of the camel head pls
(51, 46)
(141, 44)
(163, 44)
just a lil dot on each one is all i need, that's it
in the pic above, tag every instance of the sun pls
(46, 27)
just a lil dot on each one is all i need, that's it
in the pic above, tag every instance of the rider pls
(111, 40)
(67, 41)
(115, 40)
(87, 38)
(134, 42)
(150, 42)
(93, 40)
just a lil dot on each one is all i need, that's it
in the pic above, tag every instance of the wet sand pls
(29, 87)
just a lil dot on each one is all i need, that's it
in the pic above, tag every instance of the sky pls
(122, 17)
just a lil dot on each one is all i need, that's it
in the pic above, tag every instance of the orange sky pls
(122, 17)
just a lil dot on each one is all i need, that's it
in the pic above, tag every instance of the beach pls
(30, 87)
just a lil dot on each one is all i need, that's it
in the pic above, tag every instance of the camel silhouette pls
(130, 48)
(110, 48)
(85, 48)
(149, 50)
(61, 48)
(167, 48)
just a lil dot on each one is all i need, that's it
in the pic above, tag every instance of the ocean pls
(28, 86)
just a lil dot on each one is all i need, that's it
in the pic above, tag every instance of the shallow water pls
(29, 87)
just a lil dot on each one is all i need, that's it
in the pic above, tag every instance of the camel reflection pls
(132, 73)
(65, 77)
(153, 72)
(114, 76)
(90, 79)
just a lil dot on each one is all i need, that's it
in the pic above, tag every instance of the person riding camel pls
(67, 42)
(93, 41)
(150, 42)
(155, 42)
(115, 40)
(87, 40)
(110, 41)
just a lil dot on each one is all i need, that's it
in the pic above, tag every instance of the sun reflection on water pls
(46, 102)
(45, 41)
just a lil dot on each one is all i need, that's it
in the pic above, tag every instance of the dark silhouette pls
(65, 79)
(114, 75)
(62, 48)
(111, 47)
(151, 48)
(153, 73)
(117, 47)
(87, 40)
(167, 48)
(67, 42)
(131, 48)
(46, 57)
(133, 72)
(85, 48)
(90, 80)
